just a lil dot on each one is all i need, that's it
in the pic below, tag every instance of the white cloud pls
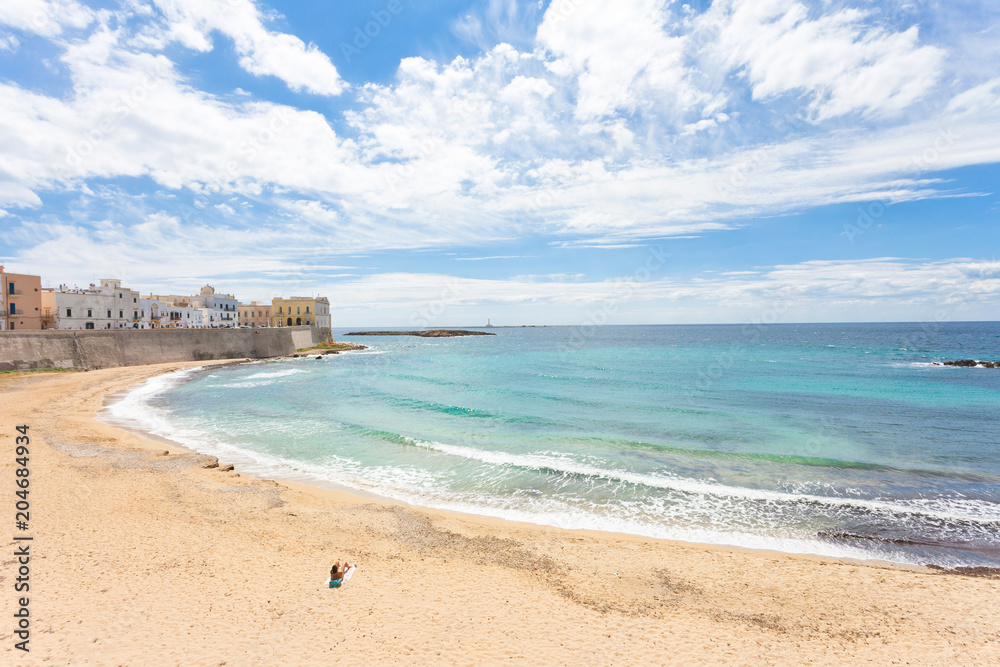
(45, 17)
(620, 54)
(123, 100)
(839, 60)
(880, 289)
(262, 52)
(979, 98)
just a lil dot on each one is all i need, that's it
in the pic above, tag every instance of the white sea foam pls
(276, 374)
(246, 385)
(133, 408)
(941, 509)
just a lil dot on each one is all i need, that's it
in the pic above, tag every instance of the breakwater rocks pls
(971, 363)
(328, 348)
(430, 333)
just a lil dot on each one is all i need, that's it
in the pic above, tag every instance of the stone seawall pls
(87, 350)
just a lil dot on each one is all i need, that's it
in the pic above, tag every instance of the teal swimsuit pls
(335, 583)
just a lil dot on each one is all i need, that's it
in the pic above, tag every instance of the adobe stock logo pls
(372, 29)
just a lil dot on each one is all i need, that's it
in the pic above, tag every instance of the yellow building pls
(300, 311)
(255, 314)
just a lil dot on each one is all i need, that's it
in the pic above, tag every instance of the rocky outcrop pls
(970, 363)
(429, 333)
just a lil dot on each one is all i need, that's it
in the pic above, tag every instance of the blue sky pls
(437, 163)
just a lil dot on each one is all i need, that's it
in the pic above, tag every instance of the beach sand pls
(146, 558)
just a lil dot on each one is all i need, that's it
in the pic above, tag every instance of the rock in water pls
(970, 363)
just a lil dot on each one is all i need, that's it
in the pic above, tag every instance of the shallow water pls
(835, 439)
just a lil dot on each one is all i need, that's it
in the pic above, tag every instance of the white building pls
(218, 310)
(184, 317)
(214, 310)
(152, 313)
(109, 306)
(170, 311)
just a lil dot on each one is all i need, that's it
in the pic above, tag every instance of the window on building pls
(90, 312)
(121, 313)
(298, 310)
(134, 300)
(10, 288)
(12, 311)
(88, 325)
(69, 312)
(109, 313)
(119, 295)
(307, 310)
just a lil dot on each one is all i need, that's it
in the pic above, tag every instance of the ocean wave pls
(276, 374)
(133, 408)
(429, 489)
(951, 509)
(641, 517)
(247, 384)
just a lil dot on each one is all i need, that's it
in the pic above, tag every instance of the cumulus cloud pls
(123, 99)
(48, 18)
(839, 60)
(620, 55)
(262, 52)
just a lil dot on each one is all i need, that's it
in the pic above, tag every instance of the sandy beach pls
(143, 556)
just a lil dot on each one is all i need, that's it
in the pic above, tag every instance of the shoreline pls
(262, 472)
(221, 534)
(104, 417)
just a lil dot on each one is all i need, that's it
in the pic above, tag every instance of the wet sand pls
(142, 556)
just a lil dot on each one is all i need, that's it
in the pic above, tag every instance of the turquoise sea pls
(836, 439)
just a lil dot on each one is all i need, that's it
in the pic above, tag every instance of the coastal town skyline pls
(533, 163)
(27, 305)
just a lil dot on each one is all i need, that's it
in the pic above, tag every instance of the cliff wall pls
(86, 350)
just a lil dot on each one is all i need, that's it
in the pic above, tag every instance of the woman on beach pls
(339, 573)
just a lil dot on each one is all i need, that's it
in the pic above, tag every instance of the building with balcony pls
(170, 311)
(214, 310)
(152, 313)
(299, 311)
(104, 306)
(218, 310)
(22, 301)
